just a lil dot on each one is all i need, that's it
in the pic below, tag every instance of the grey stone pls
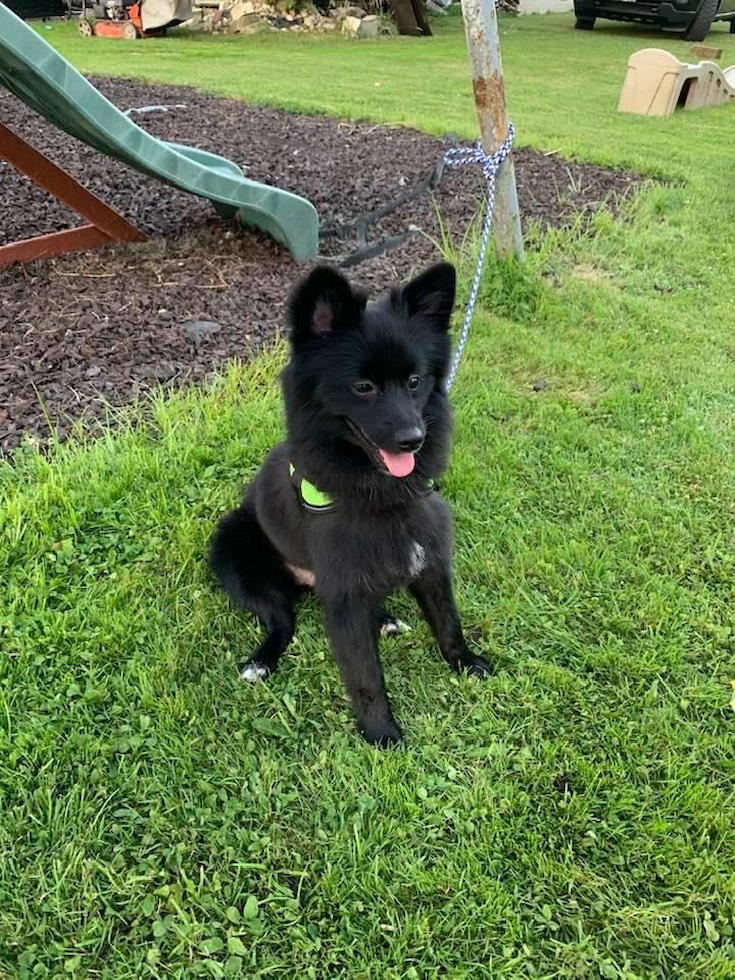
(199, 329)
(368, 27)
(341, 12)
(248, 24)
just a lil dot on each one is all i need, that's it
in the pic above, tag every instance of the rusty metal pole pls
(483, 44)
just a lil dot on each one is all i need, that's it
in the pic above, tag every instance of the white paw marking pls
(302, 575)
(253, 672)
(416, 560)
(394, 628)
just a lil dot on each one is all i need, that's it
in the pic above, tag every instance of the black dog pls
(347, 504)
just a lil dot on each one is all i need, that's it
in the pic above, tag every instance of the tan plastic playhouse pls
(656, 83)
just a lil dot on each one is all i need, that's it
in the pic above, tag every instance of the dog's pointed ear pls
(322, 305)
(430, 295)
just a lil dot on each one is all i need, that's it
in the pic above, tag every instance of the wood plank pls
(65, 188)
(44, 246)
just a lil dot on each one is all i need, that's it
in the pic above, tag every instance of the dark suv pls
(693, 17)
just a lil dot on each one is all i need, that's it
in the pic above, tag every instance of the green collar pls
(317, 501)
(311, 497)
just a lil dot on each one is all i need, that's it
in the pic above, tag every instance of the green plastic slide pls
(33, 71)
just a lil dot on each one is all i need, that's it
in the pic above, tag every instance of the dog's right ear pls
(322, 305)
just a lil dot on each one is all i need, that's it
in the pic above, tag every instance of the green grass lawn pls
(574, 816)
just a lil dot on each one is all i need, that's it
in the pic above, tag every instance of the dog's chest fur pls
(379, 552)
(350, 549)
(416, 559)
(406, 564)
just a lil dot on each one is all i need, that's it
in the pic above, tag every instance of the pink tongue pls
(398, 464)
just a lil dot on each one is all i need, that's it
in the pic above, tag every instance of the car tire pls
(732, 26)
(700, 26)
(586, 23)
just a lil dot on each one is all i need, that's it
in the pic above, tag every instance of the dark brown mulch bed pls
(82, 330)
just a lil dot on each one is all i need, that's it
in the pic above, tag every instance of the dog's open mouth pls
(397, 464)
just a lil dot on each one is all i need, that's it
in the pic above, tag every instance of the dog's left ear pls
(430, 295)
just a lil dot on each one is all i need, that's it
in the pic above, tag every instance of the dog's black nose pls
(410, 440)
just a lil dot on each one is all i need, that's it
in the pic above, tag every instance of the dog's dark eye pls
(363, 388)
(413, 382)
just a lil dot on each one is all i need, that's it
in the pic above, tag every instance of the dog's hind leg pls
(253, 574)
(390, 625)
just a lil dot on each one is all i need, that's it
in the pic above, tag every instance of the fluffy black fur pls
(362, 378)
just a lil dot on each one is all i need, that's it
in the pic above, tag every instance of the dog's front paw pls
(254, 671)
(475, 666)
(382, 734)
(393, 627)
